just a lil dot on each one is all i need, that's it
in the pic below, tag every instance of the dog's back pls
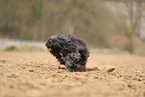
(81, 47)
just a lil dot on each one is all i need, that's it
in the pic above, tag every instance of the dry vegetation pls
(39, 19)
(25, 74)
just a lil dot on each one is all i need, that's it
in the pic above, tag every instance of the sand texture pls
(37, 74)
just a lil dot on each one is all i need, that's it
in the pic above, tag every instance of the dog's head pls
(55, 43)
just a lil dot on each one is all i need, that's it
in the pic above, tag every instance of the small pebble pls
(31, 70)
(110, 69)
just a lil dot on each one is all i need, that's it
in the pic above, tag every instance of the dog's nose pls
(46, 45)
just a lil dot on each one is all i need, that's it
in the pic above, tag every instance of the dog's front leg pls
(68, 64)
(62, 57)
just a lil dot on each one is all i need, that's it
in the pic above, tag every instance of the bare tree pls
(134, 13)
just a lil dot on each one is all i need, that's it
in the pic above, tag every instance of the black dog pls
(70, 51)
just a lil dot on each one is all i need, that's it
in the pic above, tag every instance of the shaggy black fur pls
(70, 51)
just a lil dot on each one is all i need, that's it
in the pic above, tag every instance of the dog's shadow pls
(110, 69)
(87, 69)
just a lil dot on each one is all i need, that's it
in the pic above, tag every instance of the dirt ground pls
(36, 74)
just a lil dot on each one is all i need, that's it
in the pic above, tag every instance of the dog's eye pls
(50, 41)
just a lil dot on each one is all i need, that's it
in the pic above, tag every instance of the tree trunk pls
(130, 45)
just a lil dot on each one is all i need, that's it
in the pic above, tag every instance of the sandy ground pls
(36, 74)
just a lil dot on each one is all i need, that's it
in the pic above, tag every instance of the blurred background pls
(113, 25)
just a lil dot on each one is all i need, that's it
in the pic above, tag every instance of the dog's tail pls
(71, 35)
